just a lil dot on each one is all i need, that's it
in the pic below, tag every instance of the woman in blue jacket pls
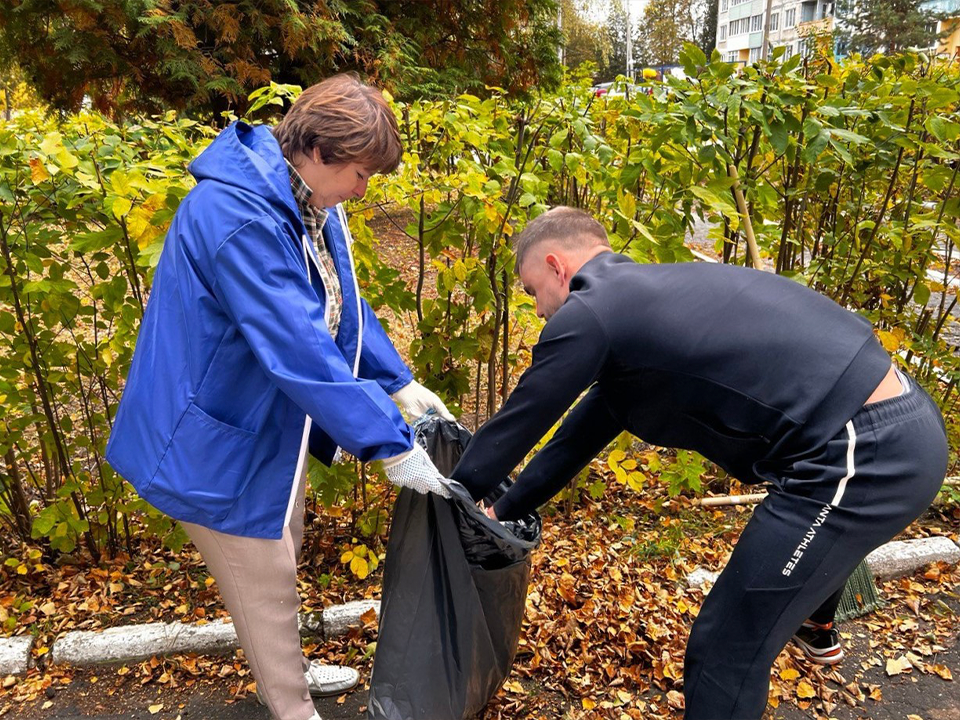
(256, 348)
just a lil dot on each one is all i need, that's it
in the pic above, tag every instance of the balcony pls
(815, 27)
(950, 8)
(816, 10)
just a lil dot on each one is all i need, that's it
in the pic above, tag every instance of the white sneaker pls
(325, 680)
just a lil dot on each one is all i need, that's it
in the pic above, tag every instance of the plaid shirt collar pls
(313, 218)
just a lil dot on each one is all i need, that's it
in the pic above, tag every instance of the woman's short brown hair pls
(347, 121)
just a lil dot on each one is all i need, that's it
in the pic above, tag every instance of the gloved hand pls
(416, 470)
(414, 399)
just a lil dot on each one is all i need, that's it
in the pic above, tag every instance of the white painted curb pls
(15, 654)
(338, 619)
(139, 642)
(895, 559)
(904, 557)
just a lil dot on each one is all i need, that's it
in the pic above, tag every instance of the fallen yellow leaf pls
(943, 671)
(895, 667)
(154, 709)
(805, 690)
(789, 674)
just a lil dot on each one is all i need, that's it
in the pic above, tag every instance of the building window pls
(723, 32)
(733, 56)
(790, 18)
(723, 6)
(803, 46)
(788, 52)
(756, 23)
(775, 21)
(754, 54)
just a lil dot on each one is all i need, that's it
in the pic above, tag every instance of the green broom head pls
(859, 596)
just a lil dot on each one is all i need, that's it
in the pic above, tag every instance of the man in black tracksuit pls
(768, 379)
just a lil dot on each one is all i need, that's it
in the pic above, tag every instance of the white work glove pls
(416, 471)
(414, 399)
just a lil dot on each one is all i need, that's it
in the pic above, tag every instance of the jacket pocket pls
(734, 450)
(206, 467)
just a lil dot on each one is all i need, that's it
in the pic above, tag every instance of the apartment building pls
(949, 27)
(741, 25)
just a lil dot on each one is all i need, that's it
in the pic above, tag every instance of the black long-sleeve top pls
(745, 367)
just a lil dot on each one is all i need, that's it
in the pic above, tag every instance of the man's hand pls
(414, 399)
(490, 512)
(416, 471)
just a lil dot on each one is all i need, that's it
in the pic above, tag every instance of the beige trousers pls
(258, 582)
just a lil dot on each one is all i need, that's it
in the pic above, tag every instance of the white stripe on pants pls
(258, 582)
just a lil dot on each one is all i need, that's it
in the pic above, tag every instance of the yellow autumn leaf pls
(359, 567)
(154, 709)
(66, 159)
(52, 143)
(943, 671)
(38, 172)
(805, 690)
(346, 557)
(789, 674)
(895, 667)
(121, 206)
(889, 341)
(588, 703)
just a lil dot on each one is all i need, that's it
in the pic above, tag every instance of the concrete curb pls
(132, 643)
(895, 559)
(903, 557)
(15, 654)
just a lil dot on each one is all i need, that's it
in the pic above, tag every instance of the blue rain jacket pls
(235, 373)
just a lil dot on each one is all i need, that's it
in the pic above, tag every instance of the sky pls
(600, 9)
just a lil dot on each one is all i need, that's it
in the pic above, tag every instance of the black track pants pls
(824, 514)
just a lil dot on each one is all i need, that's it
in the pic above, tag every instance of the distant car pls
(601, 89)
(617, 88)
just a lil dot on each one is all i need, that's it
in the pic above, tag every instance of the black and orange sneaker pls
(820, 643)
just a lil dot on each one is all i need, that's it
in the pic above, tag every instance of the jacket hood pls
(249, 158)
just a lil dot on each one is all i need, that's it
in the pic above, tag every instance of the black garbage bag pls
(454, 589)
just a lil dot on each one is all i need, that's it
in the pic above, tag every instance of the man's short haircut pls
(347, 121)
(571, 227)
